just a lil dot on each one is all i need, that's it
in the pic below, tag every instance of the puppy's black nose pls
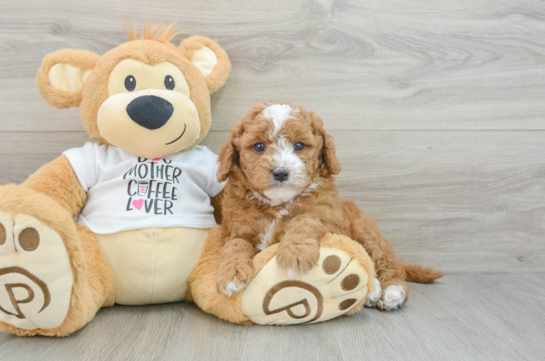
(150, 111)
(280, 174)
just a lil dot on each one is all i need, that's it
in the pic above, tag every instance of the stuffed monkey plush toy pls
(144, 193)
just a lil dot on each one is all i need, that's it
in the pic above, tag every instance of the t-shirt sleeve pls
(83, 160)
(213, 187)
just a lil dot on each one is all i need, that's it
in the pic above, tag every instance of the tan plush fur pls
(58, 181)
(300, 222)
(54, 195)
(148, 52)
(59, 98)
(151, 52)
(218, 77)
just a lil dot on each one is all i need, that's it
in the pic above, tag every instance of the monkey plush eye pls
(130, 83)
(169, 82)
(298, 146)
(259, 147)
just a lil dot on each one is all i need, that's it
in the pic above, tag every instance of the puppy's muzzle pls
(150, 111)
(280, 174)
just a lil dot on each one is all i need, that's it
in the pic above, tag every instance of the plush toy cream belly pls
(152, 265)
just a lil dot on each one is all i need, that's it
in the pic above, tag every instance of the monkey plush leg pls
(336, 286)
(53, 274)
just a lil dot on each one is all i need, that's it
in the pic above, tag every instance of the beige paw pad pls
(329, 290)
(35, 274)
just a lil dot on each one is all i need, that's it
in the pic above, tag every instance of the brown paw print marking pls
(30, 297)
(299, 284)
(350, 282)
(2, 234)
(331, 264)
(29, 239)
(346, 304)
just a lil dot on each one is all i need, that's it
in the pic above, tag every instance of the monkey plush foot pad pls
(35, 274)
(337, 284)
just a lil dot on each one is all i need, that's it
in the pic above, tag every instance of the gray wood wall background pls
(437, 108)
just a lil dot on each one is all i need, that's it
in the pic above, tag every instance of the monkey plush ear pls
(62, 75)
(209, 58)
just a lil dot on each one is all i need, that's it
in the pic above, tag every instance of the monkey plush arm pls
(58, 181)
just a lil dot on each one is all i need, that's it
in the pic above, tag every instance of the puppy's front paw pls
(296, 255)
(231, 288)
(234, 277)
(374, 297)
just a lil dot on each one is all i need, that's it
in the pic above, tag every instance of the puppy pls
(280, 163)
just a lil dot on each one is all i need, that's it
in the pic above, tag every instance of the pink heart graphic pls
(138, 203)
(156, 159)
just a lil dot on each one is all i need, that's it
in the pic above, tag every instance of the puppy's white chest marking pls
(266, 236)
(282, 213)
(311, 188)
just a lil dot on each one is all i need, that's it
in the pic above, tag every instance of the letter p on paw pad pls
(35, 274)
(331, 289)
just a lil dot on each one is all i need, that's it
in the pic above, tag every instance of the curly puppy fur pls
(295, 212)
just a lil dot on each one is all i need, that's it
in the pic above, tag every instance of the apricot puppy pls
(281, 190)
(280, 163)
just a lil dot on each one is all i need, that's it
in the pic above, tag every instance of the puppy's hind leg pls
(390, 271)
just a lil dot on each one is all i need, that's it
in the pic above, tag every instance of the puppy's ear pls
(330, 162)
(210, 58)
(62, 75)
(229, 155)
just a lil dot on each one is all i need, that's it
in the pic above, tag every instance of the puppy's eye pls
(298, 146)
(259, 147)
(130, 83)
(169, 82)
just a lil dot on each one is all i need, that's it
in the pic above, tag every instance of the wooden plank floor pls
(462, 317)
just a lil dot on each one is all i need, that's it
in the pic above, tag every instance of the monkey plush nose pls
(280, 174)
(150, 111)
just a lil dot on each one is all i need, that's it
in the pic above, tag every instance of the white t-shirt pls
(126, 192)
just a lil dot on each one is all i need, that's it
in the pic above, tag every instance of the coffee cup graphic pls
(142, 188)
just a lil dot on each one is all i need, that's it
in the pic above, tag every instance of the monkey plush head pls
(146, 96)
